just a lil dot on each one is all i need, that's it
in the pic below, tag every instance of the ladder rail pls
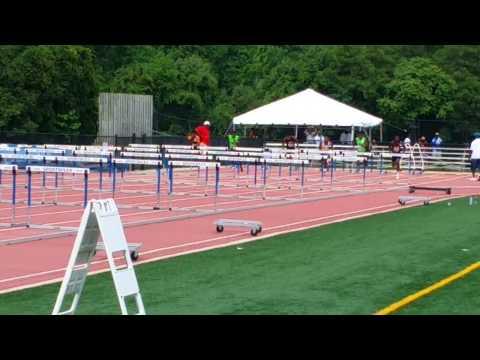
(100, 219)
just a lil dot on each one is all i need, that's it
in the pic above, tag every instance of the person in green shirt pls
(362, 143)
(362, 147)
(233, 139)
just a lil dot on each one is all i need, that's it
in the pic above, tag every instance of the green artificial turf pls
(459, 298)
(355, 267)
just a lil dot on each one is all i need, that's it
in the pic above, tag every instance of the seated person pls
(290, 142)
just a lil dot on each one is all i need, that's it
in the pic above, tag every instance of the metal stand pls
(100, 217)
(254, 226)
(404, 200)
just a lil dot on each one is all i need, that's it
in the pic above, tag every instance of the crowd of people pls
(397, 147)
(202, 136)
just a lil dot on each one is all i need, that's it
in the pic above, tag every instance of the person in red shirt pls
(203, 132)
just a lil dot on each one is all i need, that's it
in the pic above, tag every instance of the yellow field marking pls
(412, 298)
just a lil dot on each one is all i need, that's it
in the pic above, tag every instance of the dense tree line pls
(55, 88)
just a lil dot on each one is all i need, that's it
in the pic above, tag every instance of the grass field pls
(355, 267)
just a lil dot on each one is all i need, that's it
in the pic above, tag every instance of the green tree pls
(420, 90)
(184, 89)
(462, 63)
(50, 89)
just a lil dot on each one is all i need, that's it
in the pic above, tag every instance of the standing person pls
(327, 144)
(423, 142)
(310, 135)
(362, 147)
(396, 149)
(475, 154)
(193, 139)
(348, 138)
(345, 137)
(204, 132)
(233, 139)
(361, 142)
(290, 142)
(407, 142)
(436, 144)
(319, 139)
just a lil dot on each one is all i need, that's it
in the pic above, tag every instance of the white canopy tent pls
(308, 108)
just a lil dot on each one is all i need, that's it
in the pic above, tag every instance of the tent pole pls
(229, 127)
(296, 132)
(381, 133)
(353, 136)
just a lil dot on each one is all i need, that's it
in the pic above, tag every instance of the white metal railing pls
(445, 158)
(426, 158)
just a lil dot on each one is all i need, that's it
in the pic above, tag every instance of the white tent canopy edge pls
(308, 108)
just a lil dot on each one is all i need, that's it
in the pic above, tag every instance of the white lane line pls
(238, 242)
(210, 240)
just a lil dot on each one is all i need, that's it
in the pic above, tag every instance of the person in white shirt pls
(319, 138)
(343, 138)
(475, 157)
(407, 142)
(310, 135)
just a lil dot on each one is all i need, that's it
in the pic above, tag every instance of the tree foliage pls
(419, 90)
(55, 88)
(48, 89)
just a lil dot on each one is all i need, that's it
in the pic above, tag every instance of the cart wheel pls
(426, 203)
(134, 255)
(253, 232)
(401, 202)
(219, 228)
(259, 230)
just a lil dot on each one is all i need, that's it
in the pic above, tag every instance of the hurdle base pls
(133, 248)
(254, 226)
(12, 225)
(404, 200)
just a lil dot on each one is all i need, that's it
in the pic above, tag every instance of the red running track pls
(38, 262)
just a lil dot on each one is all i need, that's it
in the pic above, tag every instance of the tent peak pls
(308, 107)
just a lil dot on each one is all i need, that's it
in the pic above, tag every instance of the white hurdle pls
(193, 164)
(13, 169)
(59, 162)
(154, 163)
(55, 170)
